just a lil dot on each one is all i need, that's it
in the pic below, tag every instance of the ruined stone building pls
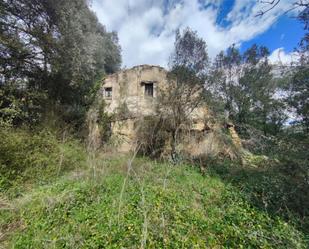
(135, 91)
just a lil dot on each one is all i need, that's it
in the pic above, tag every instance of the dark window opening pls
(149, 89)
(108, 92)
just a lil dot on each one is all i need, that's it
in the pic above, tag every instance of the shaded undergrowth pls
(36, 157)
(265, 185)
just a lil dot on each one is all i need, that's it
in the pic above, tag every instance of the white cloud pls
(279, 56)
(146, 29)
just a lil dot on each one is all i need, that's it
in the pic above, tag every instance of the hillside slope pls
(116, 202)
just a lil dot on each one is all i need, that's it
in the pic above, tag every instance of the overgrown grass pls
(113, 203)
(268, 187)
(30, 158)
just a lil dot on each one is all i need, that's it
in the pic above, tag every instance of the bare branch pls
(272, 4)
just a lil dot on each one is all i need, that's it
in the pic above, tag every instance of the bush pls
(197, 147)
(268, 186)
(152, 136)
(27, 156)
(20, 106)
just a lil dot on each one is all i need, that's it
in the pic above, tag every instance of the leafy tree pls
(190, 52)
(299, 85)
(223, 76)
(262, 87)
(182, 96)
(245, 85)
(58, 47)
(299, 95)
(185, 91)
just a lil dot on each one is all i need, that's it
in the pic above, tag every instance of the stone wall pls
(126, 91)
(128, 88)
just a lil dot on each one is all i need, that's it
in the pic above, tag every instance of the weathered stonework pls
(135, 91)
(128, 87)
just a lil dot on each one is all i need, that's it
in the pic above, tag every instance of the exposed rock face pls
(133, 92)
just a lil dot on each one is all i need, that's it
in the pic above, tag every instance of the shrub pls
(35, 156)
(20, 106)
(151, 136)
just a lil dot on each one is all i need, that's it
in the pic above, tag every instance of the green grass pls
(55, 195)
(153, 205)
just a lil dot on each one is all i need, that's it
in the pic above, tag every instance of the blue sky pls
(146, 28)
(286, 33)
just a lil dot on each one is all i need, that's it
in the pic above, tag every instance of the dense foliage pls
(299, 83)
(36, 157)
(56, 48)
(246, 86)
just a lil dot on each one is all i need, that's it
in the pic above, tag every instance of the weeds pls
(132, 202)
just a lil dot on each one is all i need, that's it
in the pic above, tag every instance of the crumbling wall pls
(127, 88)
(128, 91)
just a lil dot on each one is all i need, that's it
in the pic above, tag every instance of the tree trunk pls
(173, 146)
